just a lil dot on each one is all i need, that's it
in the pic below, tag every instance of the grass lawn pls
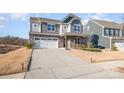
(12, 62)
(97, 56)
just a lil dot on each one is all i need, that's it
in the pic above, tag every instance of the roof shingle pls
(109, 24)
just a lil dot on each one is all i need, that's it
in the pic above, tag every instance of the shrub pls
(29, 45)
(82, 46)
(114, 48)
(92, 49)
(89, 45)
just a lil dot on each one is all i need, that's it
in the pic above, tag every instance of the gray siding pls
(45, 29)
(76, 21)
(97, 30)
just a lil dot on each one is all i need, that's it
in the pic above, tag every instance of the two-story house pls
(109, 33)
(52, 33)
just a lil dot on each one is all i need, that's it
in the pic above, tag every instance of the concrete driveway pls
(57, 63)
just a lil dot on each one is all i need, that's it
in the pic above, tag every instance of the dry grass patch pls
(105, 55)
(12, 62)
(119, 69)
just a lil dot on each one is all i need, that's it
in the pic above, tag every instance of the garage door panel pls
(49, 42)
(120, 46)
(37, 44)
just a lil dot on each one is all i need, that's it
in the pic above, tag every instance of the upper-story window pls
(122, 32)
(51, 27)
(112, 32)
(116, 32)
(106, 32)
(77, 28)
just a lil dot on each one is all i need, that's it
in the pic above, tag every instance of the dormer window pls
(77, 28)
(51, 27)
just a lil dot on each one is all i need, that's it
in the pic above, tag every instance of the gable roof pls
(42, 19)
(70, 17)
(109, 24)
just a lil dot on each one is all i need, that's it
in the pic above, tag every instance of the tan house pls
(52, 33)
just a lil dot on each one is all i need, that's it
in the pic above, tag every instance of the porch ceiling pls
(47, 34)
(74, 34)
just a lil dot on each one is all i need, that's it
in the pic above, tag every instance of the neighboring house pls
(51, 33)
(110, 33)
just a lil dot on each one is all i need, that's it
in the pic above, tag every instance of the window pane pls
(37, 38)
(76, 27)
(106, 32)
(112, 32)
(122, 33)
(53, 27)
(116, 32)
(49, 27)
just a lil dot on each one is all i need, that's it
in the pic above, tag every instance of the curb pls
(29, 63)
(29, 60)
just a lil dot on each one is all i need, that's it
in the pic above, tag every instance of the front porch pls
(72, 41)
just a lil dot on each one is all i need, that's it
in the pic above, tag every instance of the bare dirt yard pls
(14, 61)
(103, 56)
(5, 48)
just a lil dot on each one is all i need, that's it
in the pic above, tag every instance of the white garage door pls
(120, 46)
(37, 43)
(49, 42)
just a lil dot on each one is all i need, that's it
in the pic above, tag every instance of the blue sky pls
(17, 24)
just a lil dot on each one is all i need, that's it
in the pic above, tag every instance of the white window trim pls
(106, 31)
(51, 28)
(79, 26)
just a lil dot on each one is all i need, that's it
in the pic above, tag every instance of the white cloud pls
(2, 18)
(19, 16)
(2, 26)
(2, 21)
(99, 16)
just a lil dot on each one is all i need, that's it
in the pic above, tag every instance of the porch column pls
(81, 40)
(66, 45)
